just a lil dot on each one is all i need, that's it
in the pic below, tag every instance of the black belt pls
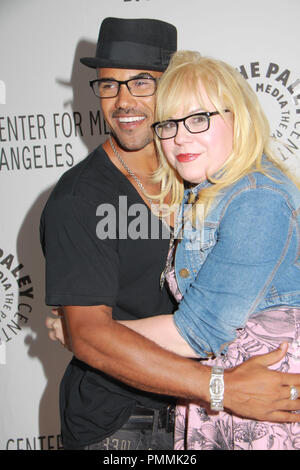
(148, 418)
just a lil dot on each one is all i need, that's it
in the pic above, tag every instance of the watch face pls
(217, 386)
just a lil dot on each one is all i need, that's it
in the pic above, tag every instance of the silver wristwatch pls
(216, 388)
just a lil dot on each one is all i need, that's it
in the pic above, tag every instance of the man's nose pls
(124, 98)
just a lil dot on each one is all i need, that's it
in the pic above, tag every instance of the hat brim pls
(94, 63)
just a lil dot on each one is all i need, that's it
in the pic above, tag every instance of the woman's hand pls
(57, 328)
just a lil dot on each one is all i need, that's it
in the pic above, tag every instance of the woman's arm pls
(162, 330)
(234, 278)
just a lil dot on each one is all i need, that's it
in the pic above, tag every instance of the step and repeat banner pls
(50, 120)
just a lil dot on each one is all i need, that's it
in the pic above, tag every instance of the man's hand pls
(57, 328)
(254, 391)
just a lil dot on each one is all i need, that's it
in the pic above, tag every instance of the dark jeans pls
(146, 429)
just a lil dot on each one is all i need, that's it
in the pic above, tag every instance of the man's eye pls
(140, 83)
(107, 85)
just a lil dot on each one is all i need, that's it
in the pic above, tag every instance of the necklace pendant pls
(162, 279)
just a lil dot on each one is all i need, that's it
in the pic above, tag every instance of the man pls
(109, 394)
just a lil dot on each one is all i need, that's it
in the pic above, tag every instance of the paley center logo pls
(16, 296)
(278, 89)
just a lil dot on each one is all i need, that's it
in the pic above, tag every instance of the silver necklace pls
(136, 179)
(138, 182)
(172, 232)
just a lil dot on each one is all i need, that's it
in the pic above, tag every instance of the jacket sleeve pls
(253, 240)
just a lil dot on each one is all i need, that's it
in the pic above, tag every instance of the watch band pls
(216, 388)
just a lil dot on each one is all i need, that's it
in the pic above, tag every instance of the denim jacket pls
(245, 259)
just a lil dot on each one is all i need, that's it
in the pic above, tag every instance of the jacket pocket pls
(198, 243)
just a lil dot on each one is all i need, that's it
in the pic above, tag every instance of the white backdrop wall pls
(49, 120)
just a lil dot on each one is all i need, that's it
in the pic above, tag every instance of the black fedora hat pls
(142, 44)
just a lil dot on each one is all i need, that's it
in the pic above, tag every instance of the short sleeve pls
(81, 269)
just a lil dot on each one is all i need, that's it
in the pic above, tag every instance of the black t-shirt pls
(122, 272)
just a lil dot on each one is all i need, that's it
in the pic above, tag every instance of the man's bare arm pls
(106, 345)
(251, 390)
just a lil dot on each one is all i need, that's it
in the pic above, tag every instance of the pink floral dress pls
(199, 428)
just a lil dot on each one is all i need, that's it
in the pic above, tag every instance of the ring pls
(293, 393)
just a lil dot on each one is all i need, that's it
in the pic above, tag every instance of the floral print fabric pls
(199, 428)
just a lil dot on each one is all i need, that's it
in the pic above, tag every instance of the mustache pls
(128, 111)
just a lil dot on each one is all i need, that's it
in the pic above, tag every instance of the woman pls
(237, 263)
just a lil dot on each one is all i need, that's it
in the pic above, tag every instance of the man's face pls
(129, 117)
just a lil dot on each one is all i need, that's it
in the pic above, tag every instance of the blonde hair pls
(226, 89)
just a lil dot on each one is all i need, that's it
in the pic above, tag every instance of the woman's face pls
(197, 156)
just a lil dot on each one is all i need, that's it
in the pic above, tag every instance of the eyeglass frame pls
(176, 121)
(122, 82)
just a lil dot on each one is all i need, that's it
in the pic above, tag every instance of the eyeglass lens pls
(137, 87)
(194, 124)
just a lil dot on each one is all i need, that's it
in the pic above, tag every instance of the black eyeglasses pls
(194, 123)
(109, 88)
